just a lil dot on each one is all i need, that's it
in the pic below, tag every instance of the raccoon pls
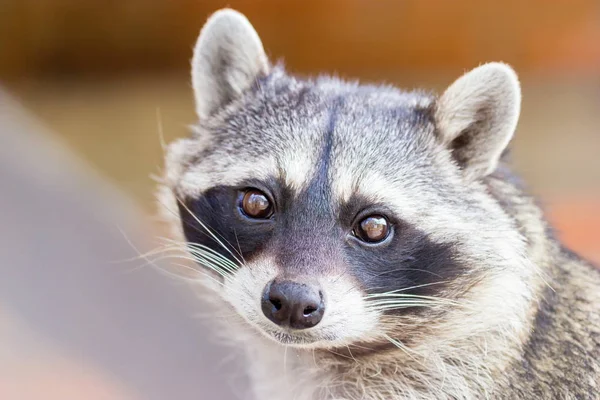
(364, 242)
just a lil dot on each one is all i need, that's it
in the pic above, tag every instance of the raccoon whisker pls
(405, 269)
(224, 262)
(141, 256)
(409, 300)
(541, 275)
(198, 249)
(409, 288)
(150, 262)
(167, 272)
(209, 265)
(205, 274)
(166, 253)
(162, 254)
(175, 247)
(239, 247)
(215, 267)
(340, 276)
(390, 296)
(187, 245)
(211, 234)
(402, 306)
(389, 309)
(240, 262)
(161, 136)
(404, 300)
(238, 250)
(351, 288)
(402, 347)
(210, 231)
(394, 294)
(195, 281)
(386, 303)
(205, 259)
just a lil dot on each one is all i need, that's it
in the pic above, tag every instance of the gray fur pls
(516, 315)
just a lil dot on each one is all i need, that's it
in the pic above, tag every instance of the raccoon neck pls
(465, 369)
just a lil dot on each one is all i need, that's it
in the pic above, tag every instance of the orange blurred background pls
(108, 75)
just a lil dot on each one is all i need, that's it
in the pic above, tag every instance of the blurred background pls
(107, 76)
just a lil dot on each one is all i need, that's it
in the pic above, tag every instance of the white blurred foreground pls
(76, 321)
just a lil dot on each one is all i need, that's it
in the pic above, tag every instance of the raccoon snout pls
(293, 304)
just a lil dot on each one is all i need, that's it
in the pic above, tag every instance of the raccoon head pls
(329, 213)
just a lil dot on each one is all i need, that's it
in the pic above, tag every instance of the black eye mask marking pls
(409, 263)
(218, 210)
(306, 239)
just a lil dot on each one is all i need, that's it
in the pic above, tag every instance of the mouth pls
(296, 339)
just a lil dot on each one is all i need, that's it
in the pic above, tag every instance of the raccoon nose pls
(293, 304)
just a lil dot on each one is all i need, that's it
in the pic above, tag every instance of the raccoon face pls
(330, 214)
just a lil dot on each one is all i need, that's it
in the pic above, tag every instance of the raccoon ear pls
(477, 115)
(227, 60)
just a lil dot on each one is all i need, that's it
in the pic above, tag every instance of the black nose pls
(292, 304)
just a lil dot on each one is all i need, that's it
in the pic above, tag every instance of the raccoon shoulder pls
(561, 359)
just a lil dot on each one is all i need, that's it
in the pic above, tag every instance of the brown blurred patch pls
(577, 221)
(94, 37)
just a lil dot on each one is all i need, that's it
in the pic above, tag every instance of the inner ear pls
(477, 115)
(465, 143)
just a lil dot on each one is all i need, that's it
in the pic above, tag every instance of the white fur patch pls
(297, 168)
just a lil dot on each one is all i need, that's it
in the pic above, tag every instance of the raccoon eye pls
(373, 229)
(255, 204)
